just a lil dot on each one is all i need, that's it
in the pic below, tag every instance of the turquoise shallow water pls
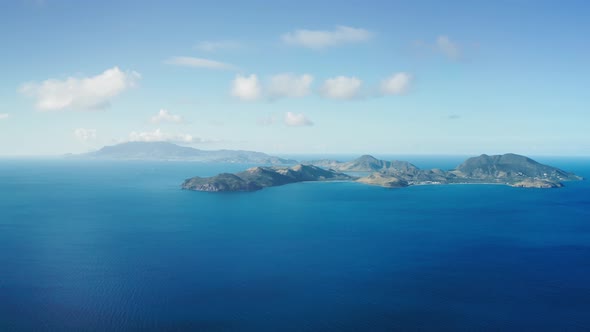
(117, 246)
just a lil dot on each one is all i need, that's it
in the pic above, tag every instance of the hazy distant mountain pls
(170, 151)
(508, 169)
(365, 163)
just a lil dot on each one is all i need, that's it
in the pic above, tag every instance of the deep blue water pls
(97, 246)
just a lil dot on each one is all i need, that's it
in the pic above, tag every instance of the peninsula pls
(508, 169)
(257, 178)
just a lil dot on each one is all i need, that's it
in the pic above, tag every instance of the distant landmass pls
(364, 163)
(508, 169)
(173, 152)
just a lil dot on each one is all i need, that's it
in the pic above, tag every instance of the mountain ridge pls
(173, 152)
(259, 177)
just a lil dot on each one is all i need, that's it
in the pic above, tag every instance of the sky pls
(293, 77)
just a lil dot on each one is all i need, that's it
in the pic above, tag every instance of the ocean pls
(117, 246)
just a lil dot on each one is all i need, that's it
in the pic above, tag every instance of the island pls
(257, 178)
(165, 151)
(507, 169)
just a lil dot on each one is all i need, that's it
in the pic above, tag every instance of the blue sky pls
(411, 77)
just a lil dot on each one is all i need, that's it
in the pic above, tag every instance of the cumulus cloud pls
(318, 39)
(450, 49)
(297, 120)
(165, 116)
(246, 87)
(341, 87)
(198, 63)
(289, 85)
(87, 93)
(85, 135)
(249, 88)
(4, 116)
(396, 84)
(212, 46)
(159, 136)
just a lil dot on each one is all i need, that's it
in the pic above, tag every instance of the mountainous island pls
(257, 178)
(508, 169)
(172, 152)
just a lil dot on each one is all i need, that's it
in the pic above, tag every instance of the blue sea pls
(117, 246)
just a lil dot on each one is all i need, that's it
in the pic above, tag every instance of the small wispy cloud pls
(85, 135)
(449, 48)
(442, 45)
(396, 84)
(88, 93)
(246, 88)
(297, 120)
(454, 117)
(341, 87)
(319, 39)
(165, 116)
(220, 45)
(4, 116)
(192, 62)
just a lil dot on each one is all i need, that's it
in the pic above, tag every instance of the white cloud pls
(288, 85)
(341, 87)
(198, 63)
(212, 46)
(448, 48)
(85, 135)
(159, 136)
(297, 120)
(318, 39)
(246, 87)
(80, 93)
(396, 84)
(4, 116)
(165, 116)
